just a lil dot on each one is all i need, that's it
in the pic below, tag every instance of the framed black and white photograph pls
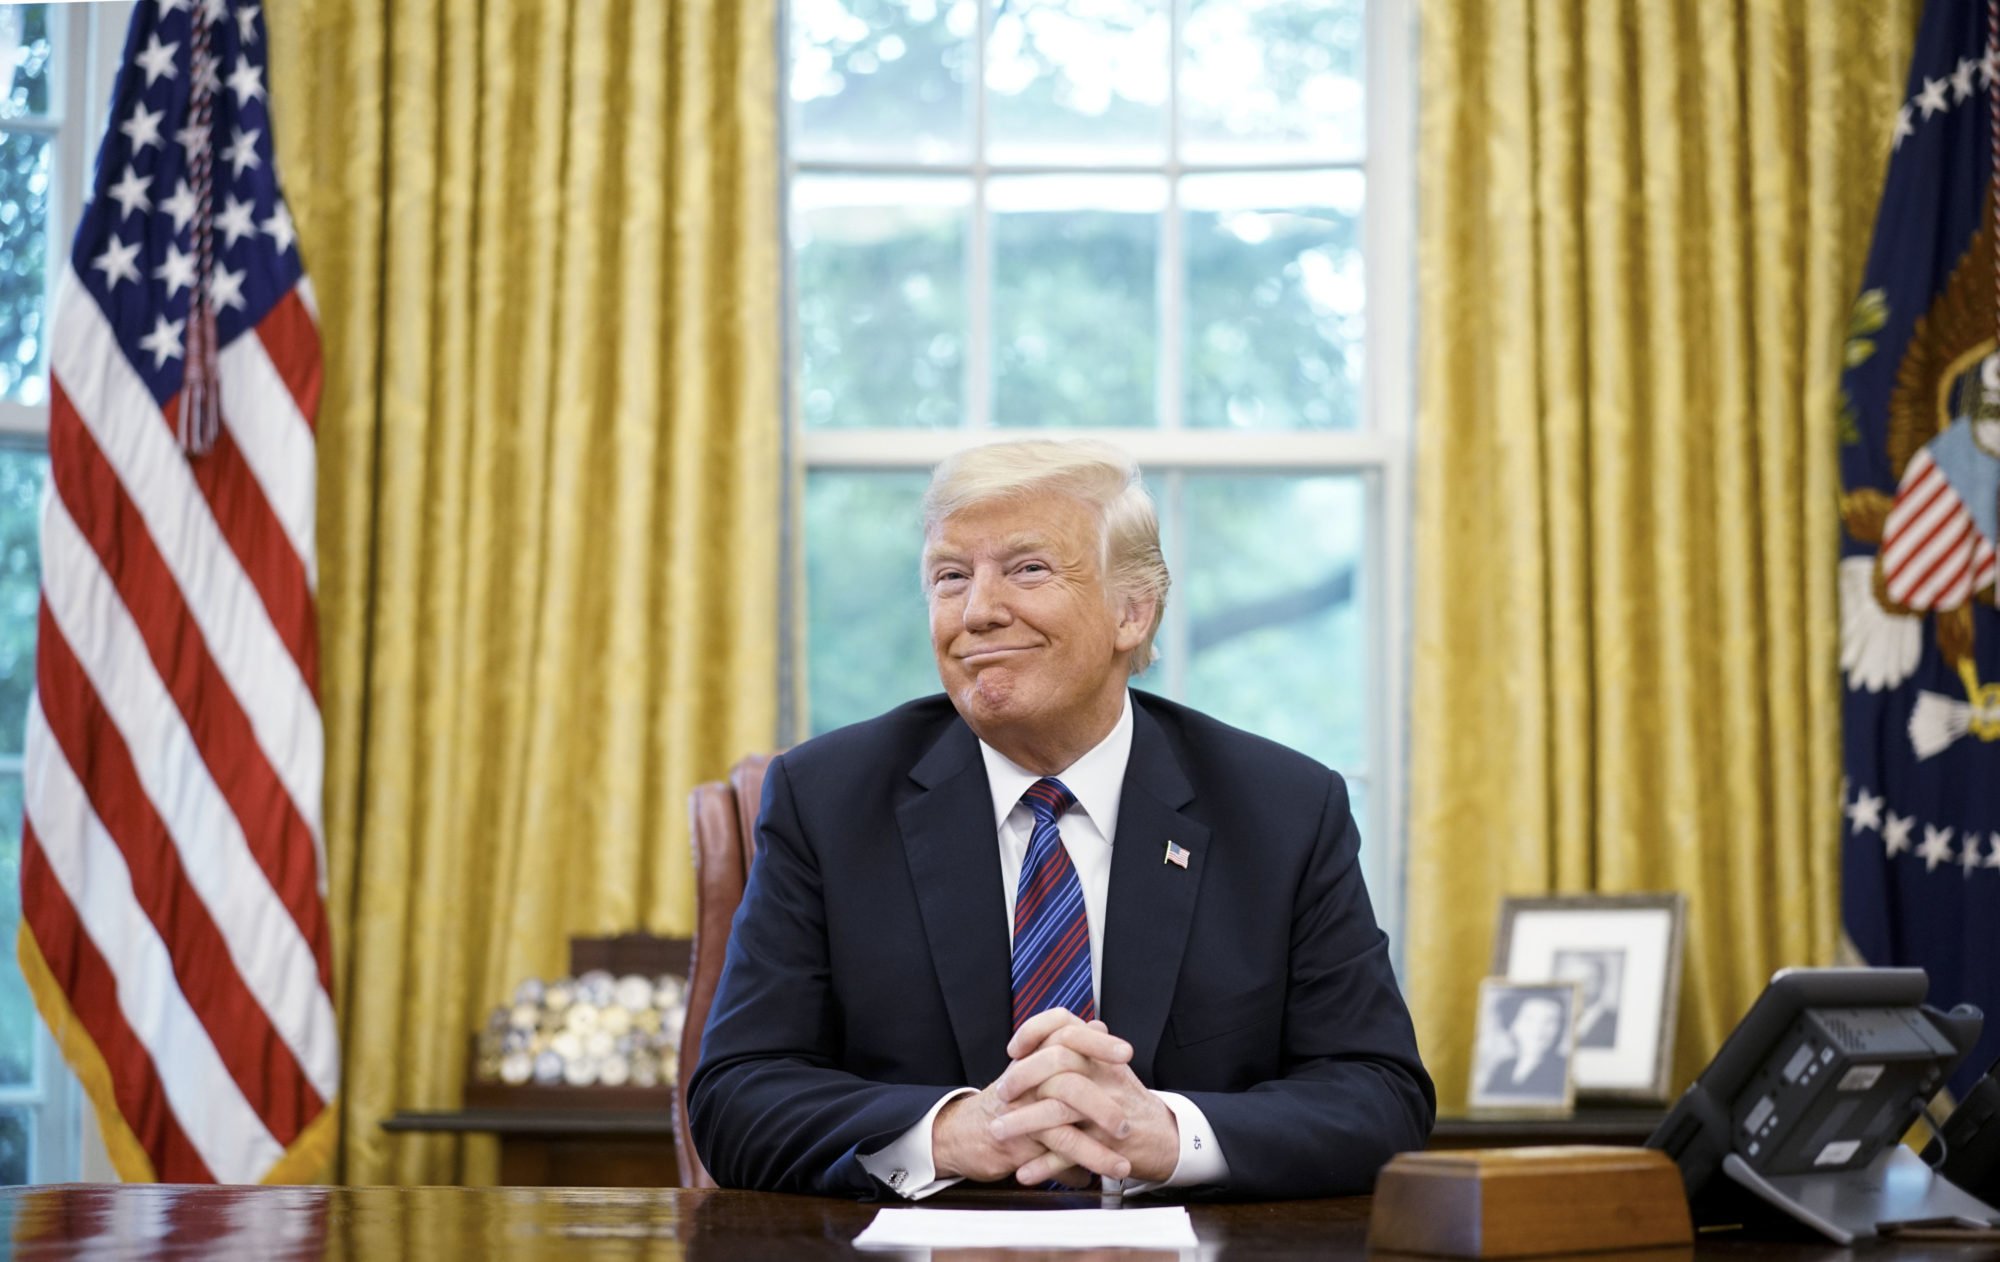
(1623, 954)
(1525, 1046)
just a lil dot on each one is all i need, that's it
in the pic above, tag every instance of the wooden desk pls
(441, 1224)
(572, 1147)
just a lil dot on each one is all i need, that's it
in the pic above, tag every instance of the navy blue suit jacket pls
(868, 968)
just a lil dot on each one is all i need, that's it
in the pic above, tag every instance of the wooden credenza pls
(563, 1146)
(561, 1136)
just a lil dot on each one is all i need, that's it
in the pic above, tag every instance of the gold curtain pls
(544, 240)
(1642, 225)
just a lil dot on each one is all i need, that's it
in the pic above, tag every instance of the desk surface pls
(441, 1224)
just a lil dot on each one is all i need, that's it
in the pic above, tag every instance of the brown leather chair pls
(724, 818)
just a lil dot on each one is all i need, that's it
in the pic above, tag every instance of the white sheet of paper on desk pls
(1160, 1228)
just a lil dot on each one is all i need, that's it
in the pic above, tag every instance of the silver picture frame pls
(1523, 1050)
(1624, 951)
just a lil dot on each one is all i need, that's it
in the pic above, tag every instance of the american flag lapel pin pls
(1177, 854)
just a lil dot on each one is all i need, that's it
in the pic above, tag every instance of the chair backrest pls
(724, 818)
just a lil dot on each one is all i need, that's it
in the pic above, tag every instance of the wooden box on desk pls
(1515, 1202)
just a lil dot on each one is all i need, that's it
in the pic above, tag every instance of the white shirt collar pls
(1097, 779)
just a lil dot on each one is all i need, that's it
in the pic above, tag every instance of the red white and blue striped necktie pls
(1051, 933)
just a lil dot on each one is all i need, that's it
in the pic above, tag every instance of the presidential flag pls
(1920, 471)
(172, 879)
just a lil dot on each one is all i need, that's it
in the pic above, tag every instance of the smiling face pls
(1030, 646)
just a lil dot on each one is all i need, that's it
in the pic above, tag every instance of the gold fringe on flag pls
(308, 1160)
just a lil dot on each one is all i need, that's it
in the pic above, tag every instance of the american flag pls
(172, 873)
(1934, 556)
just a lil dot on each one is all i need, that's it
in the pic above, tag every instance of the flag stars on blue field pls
(1896, 833)
(165, 340)
(1931, 101)
(117, 263)
(278, 226)
(1865, 815)
(247, 81)
(178, 270)
(192, 138)
(157, 59)
(1961, 79)
(241, 152)
(225, 288)
(181, 205)
(234, 221)
(1865, 812)
(143, 127)
(139, 226)
(130, 193)
(1936, 848)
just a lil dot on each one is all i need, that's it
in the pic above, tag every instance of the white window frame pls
(89, 39)
(1379, 452)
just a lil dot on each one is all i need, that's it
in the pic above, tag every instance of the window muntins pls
(1177, 224)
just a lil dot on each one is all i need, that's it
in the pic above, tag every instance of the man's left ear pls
(1135, 618)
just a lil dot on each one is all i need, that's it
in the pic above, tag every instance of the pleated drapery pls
(545, 244)
(1641, 226)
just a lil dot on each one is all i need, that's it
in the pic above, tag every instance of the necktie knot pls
(1048, 798)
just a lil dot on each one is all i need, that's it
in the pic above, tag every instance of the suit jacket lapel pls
(1151, 902)
(953, 851)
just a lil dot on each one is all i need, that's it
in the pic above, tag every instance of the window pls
(1178, 224)
(52, 71)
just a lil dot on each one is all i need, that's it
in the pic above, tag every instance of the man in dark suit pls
(1044, 927)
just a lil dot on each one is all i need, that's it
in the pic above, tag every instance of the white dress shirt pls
(1097, 781)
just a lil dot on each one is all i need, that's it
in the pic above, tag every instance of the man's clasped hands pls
(1067, 1108)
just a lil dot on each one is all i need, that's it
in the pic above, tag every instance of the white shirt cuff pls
(1201, 1161)
(906, 1164)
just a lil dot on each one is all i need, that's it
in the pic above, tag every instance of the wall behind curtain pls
(544, 240)
(1642, 222)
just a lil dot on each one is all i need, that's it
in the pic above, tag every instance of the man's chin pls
(991, 701)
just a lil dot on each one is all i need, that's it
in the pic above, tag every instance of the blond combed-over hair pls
(1098, 474)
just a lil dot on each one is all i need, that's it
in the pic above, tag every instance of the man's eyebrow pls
(1011, 546)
